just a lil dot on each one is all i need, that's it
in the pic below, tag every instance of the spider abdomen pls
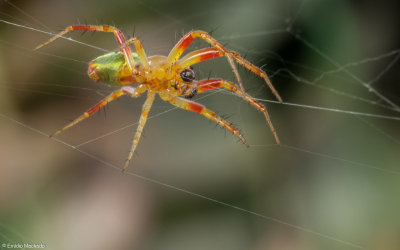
(111, 69)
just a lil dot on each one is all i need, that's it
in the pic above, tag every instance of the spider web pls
(357, 111)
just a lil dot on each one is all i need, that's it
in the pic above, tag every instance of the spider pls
(172, 77)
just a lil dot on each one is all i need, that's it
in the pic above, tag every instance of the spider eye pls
(187, 75)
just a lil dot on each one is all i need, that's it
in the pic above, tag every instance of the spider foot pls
(241, 138)
(125, 166)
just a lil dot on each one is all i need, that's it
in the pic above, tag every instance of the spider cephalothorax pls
(171, 77)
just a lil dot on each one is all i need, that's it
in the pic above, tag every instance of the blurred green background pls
(333, 184)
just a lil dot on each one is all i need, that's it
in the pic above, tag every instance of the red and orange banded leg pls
(142, 122)
(198, 56)
(186, 40)
(206, 85)
(200, 109)
(139, 50)
(104, 28)
(114, 95)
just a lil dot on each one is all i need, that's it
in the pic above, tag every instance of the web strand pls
(339, 68)
(53, 34)
(28, 15)
(366, 85)
(147, 179)
(380, 131)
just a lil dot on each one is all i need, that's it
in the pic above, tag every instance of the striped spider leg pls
(186, 40)
(209, 84)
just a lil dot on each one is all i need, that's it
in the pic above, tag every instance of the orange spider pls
(172, 77)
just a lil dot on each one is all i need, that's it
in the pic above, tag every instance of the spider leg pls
(198, 56)
(185, 41)
(114, 95)
(104, 28)
(206, 85)
(142, 121)
(139, 50)
(200, 109)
